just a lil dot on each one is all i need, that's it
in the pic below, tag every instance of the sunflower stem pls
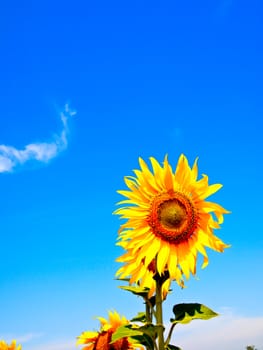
(159, 312)
(148, 311)
(167, 341)
(148, 316)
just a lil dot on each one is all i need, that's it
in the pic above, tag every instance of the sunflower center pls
(173, 217)
(172, 214)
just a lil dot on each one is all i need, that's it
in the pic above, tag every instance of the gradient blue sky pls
(147, 78)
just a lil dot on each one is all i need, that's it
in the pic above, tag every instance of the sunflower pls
(12, 346)
(168, 222)
(102, 340)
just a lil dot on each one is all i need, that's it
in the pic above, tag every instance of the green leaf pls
(125, 331)
(150, 330)
(136, 333)
(133, 331)
(142, 292)
(145, 340)
(172, 347)
(185, 313)
(141, 317)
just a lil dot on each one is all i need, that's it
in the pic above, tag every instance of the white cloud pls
(25, 338)
(228, 331)
(11, 157)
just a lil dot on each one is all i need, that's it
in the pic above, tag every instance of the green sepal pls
(141, 317)
(123, 279)
(185, 313)
(152, 300)
(142, 292)
(172, 347)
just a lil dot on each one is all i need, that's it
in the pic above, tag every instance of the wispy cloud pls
(228, 331)
(11, 157)
(25, 338)
(38, 341)
(22, 339)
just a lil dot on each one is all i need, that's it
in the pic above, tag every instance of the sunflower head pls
(12, 346)
(101, 340)
(168, 222)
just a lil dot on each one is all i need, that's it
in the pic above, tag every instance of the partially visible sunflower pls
(12, 346)
(168, 222)
(102, 340)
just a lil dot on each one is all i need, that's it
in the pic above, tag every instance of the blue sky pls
(146, 79)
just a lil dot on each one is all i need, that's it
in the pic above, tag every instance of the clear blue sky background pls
(147, 78)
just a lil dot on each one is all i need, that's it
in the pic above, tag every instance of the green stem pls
(170, 334)
(159, 312)
(148, 313)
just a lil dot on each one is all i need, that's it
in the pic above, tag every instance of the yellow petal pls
(168, 176)
(162, 257)
(87, 337)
